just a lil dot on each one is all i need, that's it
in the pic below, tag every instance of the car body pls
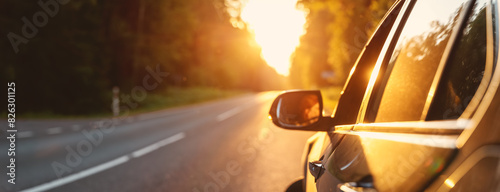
(420, 110)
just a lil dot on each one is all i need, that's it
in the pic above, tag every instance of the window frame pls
(488, 70)
(383, 58)
(371, 102)
(352, 94)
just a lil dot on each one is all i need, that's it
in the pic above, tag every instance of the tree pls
(336, 34)
(88, 46)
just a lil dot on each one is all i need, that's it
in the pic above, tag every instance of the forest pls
(336, 32)
(65, 56)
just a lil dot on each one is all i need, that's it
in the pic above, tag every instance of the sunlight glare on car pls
(277, 26)
(449, 183)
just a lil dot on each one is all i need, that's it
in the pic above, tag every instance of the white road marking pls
(228, 114)
(144, 150)
(158, 145)
(24, 134)
(256, 101)
(120, 160)
(54, 130)
(171, 139)
(79, 175)
(164, 114)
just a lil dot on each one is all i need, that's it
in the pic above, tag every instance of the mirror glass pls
(299, 109)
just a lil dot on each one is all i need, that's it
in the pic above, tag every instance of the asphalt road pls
(225, 145)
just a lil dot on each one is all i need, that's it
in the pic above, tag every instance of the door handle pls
(316, 169)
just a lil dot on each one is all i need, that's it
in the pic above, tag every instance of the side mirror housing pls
(300, 110)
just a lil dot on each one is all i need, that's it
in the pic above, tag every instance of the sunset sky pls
(277, 26)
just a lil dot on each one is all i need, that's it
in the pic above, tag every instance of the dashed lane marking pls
(228, 114)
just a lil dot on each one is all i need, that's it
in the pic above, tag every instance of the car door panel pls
(393, 161)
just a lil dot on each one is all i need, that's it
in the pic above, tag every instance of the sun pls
(277, 26)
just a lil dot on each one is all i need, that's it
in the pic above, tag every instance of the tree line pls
(336, 32)
(66, 55)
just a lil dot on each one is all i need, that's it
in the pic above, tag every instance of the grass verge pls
(175, 97)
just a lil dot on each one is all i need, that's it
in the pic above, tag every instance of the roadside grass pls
(172, 97)
(331, 97)
(175, 97)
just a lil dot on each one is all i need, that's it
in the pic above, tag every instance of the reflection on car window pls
(415, 60)
(464, 70)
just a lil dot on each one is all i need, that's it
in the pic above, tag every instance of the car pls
(420, 110)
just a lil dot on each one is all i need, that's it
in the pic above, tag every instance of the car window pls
(465, 69)
(354, 90)
(401, 95)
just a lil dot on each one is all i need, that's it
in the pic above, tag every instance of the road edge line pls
(110, 164)
(85, 173)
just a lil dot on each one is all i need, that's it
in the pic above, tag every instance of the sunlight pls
(277, 26)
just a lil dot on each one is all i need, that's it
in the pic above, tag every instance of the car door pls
(424, 87)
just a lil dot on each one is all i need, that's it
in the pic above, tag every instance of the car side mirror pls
(299, 110)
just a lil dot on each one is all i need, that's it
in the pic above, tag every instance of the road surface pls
(225, 145)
